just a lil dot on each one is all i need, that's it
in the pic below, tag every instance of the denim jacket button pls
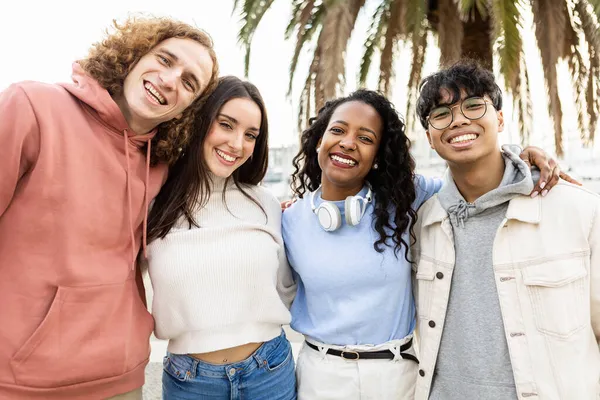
(432, 324)
(421, 372)
(439, 275)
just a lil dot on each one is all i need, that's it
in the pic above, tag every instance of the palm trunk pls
(477, 39)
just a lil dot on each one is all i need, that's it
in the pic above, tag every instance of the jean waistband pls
(254, 361)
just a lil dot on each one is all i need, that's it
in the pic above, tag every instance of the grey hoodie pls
(473, 360)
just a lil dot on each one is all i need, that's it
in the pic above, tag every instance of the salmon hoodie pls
(74, 192)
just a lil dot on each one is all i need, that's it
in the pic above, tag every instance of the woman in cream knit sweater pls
(222, 285)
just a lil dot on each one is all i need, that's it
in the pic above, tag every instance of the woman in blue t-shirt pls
(347, 239)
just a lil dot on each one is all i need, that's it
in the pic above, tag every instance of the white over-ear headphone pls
(329, 215)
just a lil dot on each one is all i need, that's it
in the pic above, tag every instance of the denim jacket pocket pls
(557, 294)
(425, 275)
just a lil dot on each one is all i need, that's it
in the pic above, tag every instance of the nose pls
(458, 119)
(348, 143)
(236, 141)
(168, 78)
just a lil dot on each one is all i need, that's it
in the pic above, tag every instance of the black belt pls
(370, 355)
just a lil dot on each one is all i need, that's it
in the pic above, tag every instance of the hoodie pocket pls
(88, 334)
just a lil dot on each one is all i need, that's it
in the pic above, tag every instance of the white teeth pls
(343, 160)
(464, 138)
(154, 92)
(225, 156)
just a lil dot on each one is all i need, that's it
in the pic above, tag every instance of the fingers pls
(546, 167)
(286, 204)
(568, 178)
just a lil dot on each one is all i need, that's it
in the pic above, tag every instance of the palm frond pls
(395, 27)
(379, 22)
(549, 20)
(507, 21)
(298, 6)
(595, 4)
(589, 26)
(419, 49)
(310, 21)
(577, 67)
(252, 12)
(467, 8)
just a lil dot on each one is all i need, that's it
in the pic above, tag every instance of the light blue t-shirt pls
(348, 293)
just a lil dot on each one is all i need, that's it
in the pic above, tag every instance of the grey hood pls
(517, 180)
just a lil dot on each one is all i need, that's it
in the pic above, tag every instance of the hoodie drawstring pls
(146, 203)
(126, 144)
(145, 229)
(461, 211)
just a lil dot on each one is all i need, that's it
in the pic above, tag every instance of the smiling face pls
(232, 136)
(164, 83)
(466, 141)
(348, 148)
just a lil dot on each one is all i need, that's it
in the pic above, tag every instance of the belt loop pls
(194, 368)
(395, 349)
(260, 361)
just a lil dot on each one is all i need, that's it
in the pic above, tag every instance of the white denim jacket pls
(546, 260)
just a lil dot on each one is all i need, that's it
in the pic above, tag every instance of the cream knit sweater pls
(226, 283)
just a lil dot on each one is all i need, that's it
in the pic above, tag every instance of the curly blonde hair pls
(111, 60)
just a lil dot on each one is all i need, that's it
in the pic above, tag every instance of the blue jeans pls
(268, 374)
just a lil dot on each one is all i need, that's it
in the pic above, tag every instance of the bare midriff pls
(228, 356)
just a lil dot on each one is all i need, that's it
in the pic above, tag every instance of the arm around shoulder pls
(19, 135)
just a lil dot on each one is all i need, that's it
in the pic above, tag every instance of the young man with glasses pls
(507, 286)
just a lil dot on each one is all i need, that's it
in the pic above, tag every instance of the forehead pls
(358, 113)
(190, 54)
(244, 110)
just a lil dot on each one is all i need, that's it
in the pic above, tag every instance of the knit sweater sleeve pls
(286, 285)
(19, 134)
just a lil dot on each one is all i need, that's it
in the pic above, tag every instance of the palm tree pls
(482, 29)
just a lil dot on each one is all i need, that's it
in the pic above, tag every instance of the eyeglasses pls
(472, 108)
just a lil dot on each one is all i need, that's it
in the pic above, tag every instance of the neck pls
(331, 192)
(475, 179)
(136, 126)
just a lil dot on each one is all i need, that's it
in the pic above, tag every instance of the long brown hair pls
(111, 60)
(188, 185)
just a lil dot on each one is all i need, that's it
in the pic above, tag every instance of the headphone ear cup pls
(329, 216)
(353, 210)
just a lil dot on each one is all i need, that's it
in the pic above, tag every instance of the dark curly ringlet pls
(188, 184)
(467, 75)
(392, 183)
(111, 60)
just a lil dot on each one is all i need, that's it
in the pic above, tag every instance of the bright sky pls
(40, 39)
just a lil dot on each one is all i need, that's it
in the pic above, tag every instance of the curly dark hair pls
(392, 183)
(111, 60)
(467, 75)
(188, 184)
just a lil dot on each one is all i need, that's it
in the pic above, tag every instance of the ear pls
(500, 120)
(178, 116)
(319, 143)
(429, 139)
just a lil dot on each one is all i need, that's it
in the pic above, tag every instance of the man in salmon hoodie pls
(79, 164)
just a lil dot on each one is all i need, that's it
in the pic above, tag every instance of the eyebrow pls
(176, 59)
(235, 121)
(362, 128)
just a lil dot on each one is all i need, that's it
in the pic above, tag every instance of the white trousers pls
(323, 376)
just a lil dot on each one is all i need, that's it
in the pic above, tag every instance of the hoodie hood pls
(517, 180)
(88, 90)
